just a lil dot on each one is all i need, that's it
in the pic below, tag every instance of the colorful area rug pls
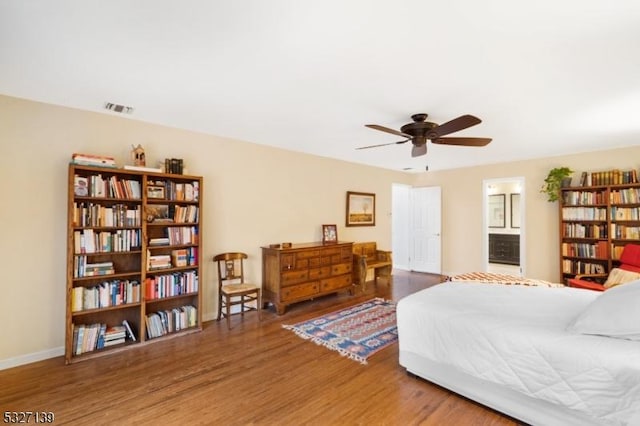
(356, 332)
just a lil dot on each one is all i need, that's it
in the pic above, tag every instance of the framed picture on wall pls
(515, 210)
(361, 209)
(496, 211)
(329, 234)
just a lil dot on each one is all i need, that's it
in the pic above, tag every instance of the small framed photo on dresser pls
(329, 234)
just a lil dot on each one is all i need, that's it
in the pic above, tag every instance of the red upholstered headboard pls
(630, 258)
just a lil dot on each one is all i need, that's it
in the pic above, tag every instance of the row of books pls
(122, 240)
(597, 250)
(624, 232)
(182, 235)
(579, 230)
(580, 267)
(106, 187)
(625, 213)
(580, 198)
(584, 213)
(167, 285)
(90, 337)
(185, 214)
(596, 213)
(81, 268)
(608, 177)
(172, 213)
(104, 295)
(174, 166)
(625, 196)
(118, 215)
(178, 191)
(164, 322)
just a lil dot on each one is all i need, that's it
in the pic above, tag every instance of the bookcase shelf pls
(596, 222)
(113, 214)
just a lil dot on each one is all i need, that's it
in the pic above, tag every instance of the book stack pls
(162, 241)
(159, 261)
(115, 335)
(179, 257)
(101, 268)
(93, 160)
(84, 269)
(173, 165)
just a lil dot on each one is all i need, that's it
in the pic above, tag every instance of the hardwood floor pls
(256, 373)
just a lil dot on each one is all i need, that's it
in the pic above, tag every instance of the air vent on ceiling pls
(121, 109)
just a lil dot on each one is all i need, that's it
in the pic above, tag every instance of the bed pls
(543, 355)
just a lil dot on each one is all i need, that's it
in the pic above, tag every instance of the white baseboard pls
(29, 358)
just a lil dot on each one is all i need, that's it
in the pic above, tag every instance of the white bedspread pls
(515, 336)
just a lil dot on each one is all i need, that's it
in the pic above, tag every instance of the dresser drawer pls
(335, 283)
(318, 273)
(299, 291)
(347, 254)
(330, 251)
(307, 253)
(287, 262)
(314, 262)
(294, 277)
(341, 268)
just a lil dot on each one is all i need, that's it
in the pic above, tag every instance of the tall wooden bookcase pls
(596, 222)
(133, 251)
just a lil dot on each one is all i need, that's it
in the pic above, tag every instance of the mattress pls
(514, 338)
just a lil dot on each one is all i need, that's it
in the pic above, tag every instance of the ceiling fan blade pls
(463, 141)
(383, 144)
(387, 130)
(418, 150)
(457, 124)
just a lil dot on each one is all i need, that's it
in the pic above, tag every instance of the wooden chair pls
(232, 290)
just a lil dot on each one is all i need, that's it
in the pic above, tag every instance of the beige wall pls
(462, 208)
(252, 196)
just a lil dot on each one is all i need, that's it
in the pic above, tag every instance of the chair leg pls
(219, 306)
(228, 299)
(242, 306)
(259, 306)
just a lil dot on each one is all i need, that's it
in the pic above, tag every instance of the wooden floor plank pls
(255, 373)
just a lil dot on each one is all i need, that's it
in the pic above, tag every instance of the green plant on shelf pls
(557, 178)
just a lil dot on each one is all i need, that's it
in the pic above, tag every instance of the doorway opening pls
(504, 225)
(416, 228)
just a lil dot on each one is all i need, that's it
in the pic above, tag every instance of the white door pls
(425, 251)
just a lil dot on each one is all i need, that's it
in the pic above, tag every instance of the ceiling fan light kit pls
(421, 131)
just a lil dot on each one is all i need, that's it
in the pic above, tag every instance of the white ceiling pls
(546, 77)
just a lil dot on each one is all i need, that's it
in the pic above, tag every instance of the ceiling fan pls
(420, 131)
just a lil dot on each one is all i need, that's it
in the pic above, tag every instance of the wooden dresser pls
(305, 271)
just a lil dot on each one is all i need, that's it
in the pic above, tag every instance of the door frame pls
(485, 222)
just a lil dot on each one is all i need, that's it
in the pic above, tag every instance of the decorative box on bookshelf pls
(130, 254)
(597, 220)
